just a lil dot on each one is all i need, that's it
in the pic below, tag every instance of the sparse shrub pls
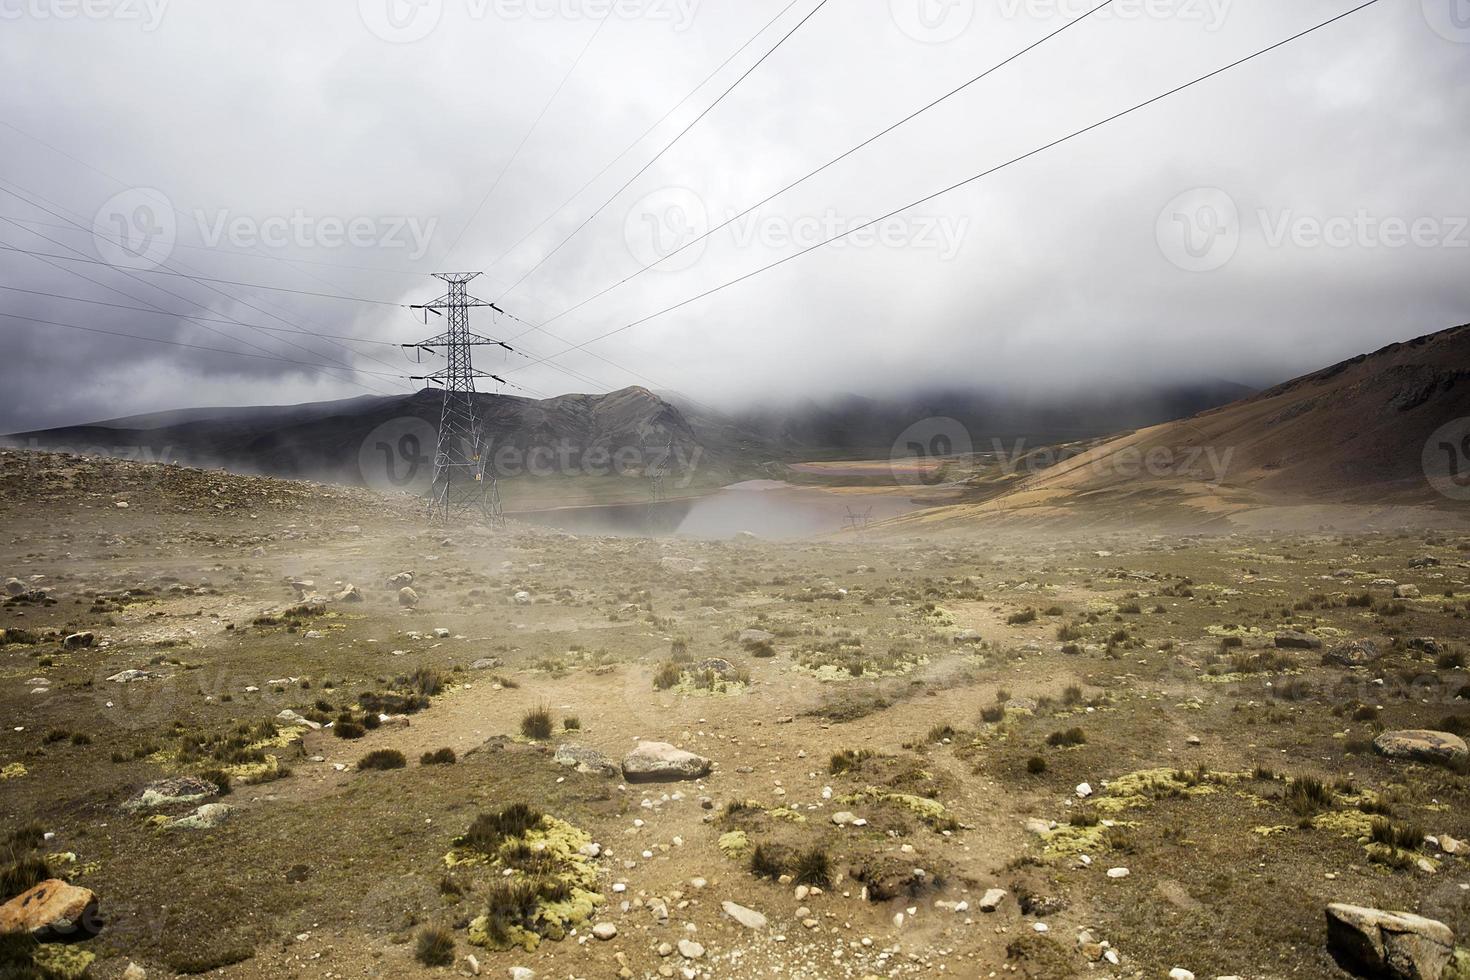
(29, 836)
(847, 760)
(490, 830)
(1021, 618)
(435, 946)
(1450, 659)
(346, 726)
(1072, 696)
(1071, 649)
(382, 760)
(1068, 738)
(1296, 689)
(1036, 765)
(219, 777)
(26, 873)
(1231, 642)
(1054, 611)
(992, 713)
(571, 723)
(941, 732)
(440, 757)
(813, 867)
(1307, 796)
(536, 725)
(668, 676)
(1068, 632)
(1130, 609)
(766, 863)
(1405, 837)
(761, 648)
(1083, 817)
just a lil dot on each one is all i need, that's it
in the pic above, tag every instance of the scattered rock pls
(207, 817)
(723, 669)
(52, 908)
(349, 594)
(289, 717)
(992, 900)
(1354, 653)
(134, 972)
(690, 950)
(604, 931)
(1406, 592)
(1423, 746)
(408, 597)
(1294, 640)
(14, 586)
(1118, 873)
(749, 918)
(585, 760)
(78, 641)
(756, 636)
(843, 818)
(1179, 973)
(489, 663)
(129, 676)
(653, 762)
(1392, 945)
(401, 580)
(1423, 561)
(171, 792)
(522, 973)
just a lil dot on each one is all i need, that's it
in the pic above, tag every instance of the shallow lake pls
(766, 508)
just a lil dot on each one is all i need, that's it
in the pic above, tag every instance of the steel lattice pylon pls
(463, 482)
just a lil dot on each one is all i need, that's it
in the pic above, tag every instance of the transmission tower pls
(658, 471)
(462, 481)
(858, 522)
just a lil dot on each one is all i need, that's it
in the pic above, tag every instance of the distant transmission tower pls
(659, 471)
(858, 522)
(462, 482)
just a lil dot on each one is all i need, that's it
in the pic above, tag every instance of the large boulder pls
(1388, 945)
(1295, 640)
(1422, 745)
(585, 760)
(1354, 653)
(207, 817)
(172, 792)
(52, 908)
(660, 762)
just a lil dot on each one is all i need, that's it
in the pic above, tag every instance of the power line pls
(180, 343)
(196, 278)
(129, 274)
(968, 180)
(527, 138)
(831, 163)
(708, 109)
(189, 316)
(629, 148)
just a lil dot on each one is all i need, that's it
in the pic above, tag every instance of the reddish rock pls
(52, 907)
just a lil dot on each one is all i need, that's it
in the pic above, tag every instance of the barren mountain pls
(1352, 437)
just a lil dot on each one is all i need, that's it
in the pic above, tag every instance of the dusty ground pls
(903, 648)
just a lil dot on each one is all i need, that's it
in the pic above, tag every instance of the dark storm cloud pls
(1304, 208)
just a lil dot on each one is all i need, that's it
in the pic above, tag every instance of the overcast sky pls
(1302, 208)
